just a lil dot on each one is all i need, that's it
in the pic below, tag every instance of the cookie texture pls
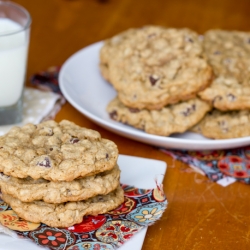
(64, 214)
(175, 118)
(228, 52)
(224, 125)
(28, 190)
(55, 151)
(153, 66)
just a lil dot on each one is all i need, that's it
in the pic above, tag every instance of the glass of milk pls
(14, 41)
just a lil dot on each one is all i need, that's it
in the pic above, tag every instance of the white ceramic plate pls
(135, 171)
(84, 87)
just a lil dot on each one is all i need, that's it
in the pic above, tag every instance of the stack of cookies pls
(173, 80)
(157, 73)
(56, 173)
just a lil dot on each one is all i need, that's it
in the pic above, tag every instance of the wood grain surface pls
(201, 215)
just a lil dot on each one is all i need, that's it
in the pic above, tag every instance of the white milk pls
(13, 57)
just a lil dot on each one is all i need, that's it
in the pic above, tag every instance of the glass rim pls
(21, 8)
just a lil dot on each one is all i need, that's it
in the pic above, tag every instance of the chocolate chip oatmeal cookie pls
(55, 151)
(175, 118)
(228, 53)
(152, 66)
(64, 214)
(27, 189)
(224, 125)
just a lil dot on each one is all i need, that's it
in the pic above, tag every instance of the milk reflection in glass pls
(13, 57)
(14, 41)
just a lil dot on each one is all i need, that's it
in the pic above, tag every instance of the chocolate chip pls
(231, 97)
(51, 149)
(189, 110)
(45, 163)
(4, 175)
(113, 115)
(1, 147)
(134, 96)
(217, 98)
(217, 52)
(68, 191)
(107, 156)
(221, 123)
(227, 60)
(74, 140)
(223, 126)
(50, 132)
(151, 35)
(188, 39)
(153, 80)
(134, 110)
(46, 131)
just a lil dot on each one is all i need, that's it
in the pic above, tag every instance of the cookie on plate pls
(228, 52)
(55, 151)
(64, 214)
(27, 189)
(109, 49)
(175, 118)
(153, 66)
(224, 125)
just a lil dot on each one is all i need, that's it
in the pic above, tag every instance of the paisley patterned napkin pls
(141, 208)
(47, 80)
(221, 166)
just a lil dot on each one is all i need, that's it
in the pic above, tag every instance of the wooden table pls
(201, 215)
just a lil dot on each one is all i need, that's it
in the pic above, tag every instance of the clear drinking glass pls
(15, 24)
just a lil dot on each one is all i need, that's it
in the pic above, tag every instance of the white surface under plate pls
(83, 86)
(135, 171)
